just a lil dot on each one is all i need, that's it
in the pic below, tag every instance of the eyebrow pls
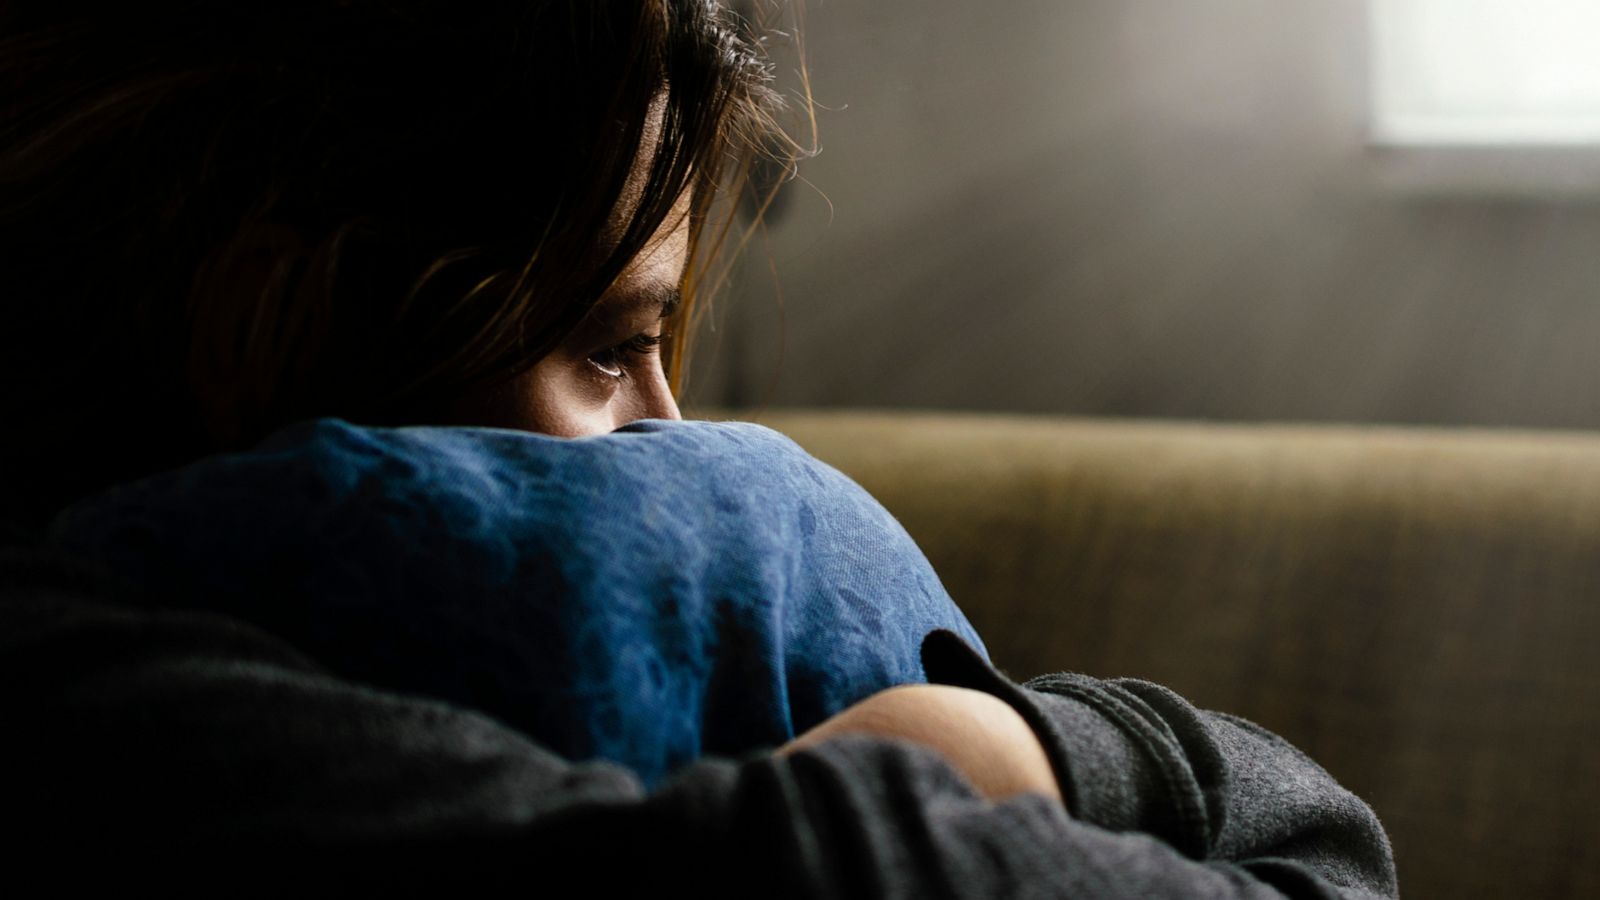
(669, 297)
(663, 296)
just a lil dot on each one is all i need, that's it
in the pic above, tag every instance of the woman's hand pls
(982, 736)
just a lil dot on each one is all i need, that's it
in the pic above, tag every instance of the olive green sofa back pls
(1417, 609)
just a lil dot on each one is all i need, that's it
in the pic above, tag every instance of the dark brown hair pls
(219, 216)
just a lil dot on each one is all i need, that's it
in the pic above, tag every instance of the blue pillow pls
(669, 590)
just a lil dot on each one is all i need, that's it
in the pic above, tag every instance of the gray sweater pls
(188, 747)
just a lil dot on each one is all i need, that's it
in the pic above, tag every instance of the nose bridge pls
(652, 400)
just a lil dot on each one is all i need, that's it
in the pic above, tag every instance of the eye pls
(615, 361)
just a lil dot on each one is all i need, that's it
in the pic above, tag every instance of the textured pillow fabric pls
(668, 590)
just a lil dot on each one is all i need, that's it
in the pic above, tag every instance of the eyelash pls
(614, 362)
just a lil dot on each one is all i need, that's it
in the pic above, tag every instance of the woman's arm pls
(1134, 757)
(180, 742)
(982, 736)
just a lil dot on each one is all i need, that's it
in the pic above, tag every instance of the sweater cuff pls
(1119, 767)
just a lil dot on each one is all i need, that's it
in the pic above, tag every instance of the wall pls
(1145, 208)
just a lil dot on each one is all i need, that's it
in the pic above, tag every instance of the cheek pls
(562, 397)
(551, 398)
(554, 398)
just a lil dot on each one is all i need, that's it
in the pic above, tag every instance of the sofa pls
(1417, 609)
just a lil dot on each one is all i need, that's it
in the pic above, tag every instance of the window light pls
(1486, 72)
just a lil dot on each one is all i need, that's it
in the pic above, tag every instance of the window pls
(1486, 72)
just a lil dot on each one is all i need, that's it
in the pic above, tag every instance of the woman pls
(225, 219)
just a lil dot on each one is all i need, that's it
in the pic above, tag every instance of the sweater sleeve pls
(184, 747)
(1135, 758)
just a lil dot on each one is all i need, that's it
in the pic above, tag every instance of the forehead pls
(639, 175)
(652, 278)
